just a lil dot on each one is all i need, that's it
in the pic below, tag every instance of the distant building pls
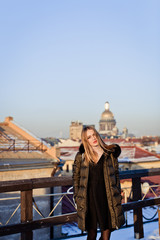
(107, 123)
(107, 127)
(125, 132)
(134, 157)
(76, 129)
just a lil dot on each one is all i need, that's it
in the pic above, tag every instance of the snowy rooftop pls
(128, 154)
(68, 143)
(136, 160)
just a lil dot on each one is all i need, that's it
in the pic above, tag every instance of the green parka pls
(112, 184)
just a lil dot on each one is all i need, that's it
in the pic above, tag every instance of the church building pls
(107, 123)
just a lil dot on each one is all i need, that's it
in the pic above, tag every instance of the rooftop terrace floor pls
(151, 232)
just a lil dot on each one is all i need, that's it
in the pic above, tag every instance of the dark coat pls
(112, 184)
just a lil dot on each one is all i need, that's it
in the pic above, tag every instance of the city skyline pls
(62, 60)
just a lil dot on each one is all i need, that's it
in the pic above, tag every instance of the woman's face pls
(91, 138)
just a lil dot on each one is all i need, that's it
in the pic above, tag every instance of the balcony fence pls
(28, 203)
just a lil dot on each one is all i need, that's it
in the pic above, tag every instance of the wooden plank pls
(51, 207)
(37, 224)
(139, 173)
(159, 219)
(137, 213)
(26, 206)
(17, 185)
(141, 203)
(52, 182)
(136, 188)
(26, 212)
(138, 223)
(28, 235)
(26, 184)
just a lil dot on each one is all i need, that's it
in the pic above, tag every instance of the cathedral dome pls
(107, 122)
(107, 114)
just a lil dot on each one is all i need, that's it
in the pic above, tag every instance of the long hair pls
(90, 154)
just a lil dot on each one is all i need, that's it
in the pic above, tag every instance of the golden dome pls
(107, 115)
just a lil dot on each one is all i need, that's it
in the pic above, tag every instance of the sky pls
(61, 60)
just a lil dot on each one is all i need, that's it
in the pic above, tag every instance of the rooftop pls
(150, 232)
(128, 154)
(21, 149)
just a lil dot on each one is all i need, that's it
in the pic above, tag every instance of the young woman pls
(97, 192)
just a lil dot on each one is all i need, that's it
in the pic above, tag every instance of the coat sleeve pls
(76, 175)
(115, 155)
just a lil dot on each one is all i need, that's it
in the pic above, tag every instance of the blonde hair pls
(90, 154)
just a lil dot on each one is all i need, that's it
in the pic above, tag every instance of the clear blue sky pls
(61, 60)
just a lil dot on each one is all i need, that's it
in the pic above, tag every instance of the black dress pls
(97, 198)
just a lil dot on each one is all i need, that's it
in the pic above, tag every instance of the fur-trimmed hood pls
(113, 148)
(81, 148)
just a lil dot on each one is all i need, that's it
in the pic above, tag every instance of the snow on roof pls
(68, 153)
(155, 148)
(68, 143)
(135, 152)
(127, 153)
(31, 134)
(137, 160)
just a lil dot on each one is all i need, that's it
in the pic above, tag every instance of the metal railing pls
(127, 191)
(26, 188)
(16, 145)
(61, 196)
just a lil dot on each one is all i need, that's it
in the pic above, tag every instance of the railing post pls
(26, 212)
(138, 221)
(51, 207)
(159, 219)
